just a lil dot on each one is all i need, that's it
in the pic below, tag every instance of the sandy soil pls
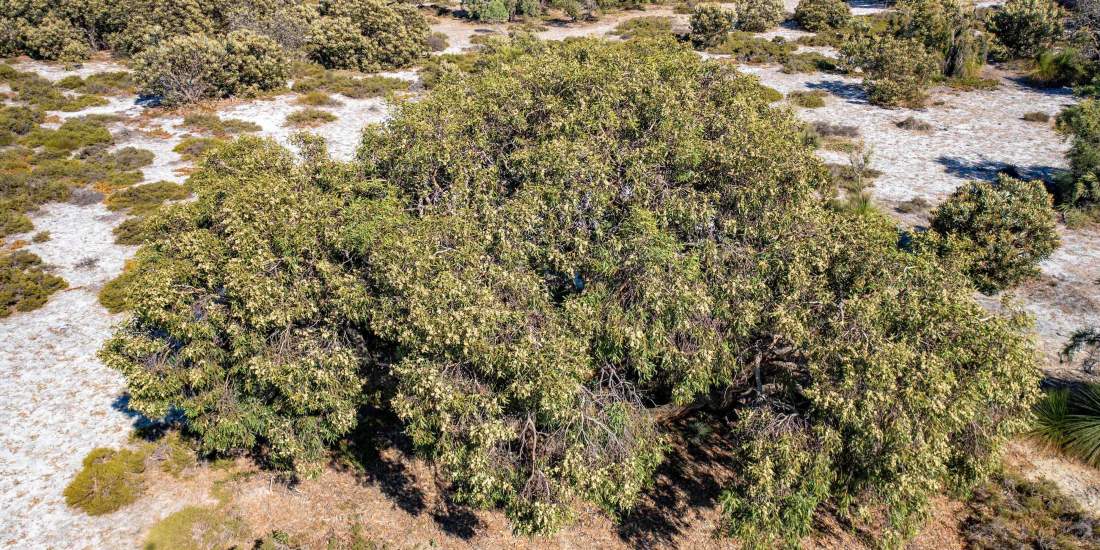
(57, 401)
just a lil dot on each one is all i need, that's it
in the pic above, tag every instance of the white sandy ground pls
(57, 401)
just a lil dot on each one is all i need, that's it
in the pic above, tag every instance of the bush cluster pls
(820, 15)
(759, 15)
(1027, 27)
(897, 71)
(1003, 228)
(710, 23)
(368, 35)
(526, 293)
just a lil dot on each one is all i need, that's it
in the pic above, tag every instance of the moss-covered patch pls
(193, 148)
(317, 98)
(309, 117)
(70, 136)
(24, 283)
(110, 480)
(198, 528)
(42, 94)
(109, 83)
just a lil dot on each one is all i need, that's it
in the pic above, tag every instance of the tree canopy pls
(533, 264)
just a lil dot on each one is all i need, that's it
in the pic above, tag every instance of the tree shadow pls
(146, 428)
(378, 455)
(690, 480)
(867, 4)
(986, 169)
(848, 91)
(1056, 91)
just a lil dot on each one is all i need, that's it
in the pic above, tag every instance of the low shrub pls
(913, 124)
(1036, 116)
(913, 205)
(41, 237)
(810, 62)
(1069, 419)
(710, 23)
(820, 15)
(109, 481)
(108, 83)
(309, 117)
(348, 85)
(746, 48)
(810, 99)
(829, 129)
(435, 67)
(194, 148)
(1004, 228)
(896, 71)
(317, 98)
(437, 42)
(25, 285)
(650, 26)
(131, 232)
(1080, 188)
(211, 123)
(73, 134)
(759, 15)
(197, 528)
(1009, 511)
(142, 199)
(1059, 67)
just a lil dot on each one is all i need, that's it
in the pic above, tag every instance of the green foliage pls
(110, 83)
(351, 85)
(1004, 229)
(710, 23)
(244, 316)
(820, 15)
(73, 134)
(948, 29)
(1069, 419)
(368, 35)
(897, 72)
(1060, 67)
(810, 62)
(109, 481)
(317, 98)
(1027, 27)
(189, 68)
(746, 48)
(1081, 124)
(143, 199)
(309, 117)
(530, 261)
(759, 15)
(435, 68)
(197, 528)
(24, 283)
(211, 123)
(1011, 512)
(114, 295)
(808, 99)
(649, 26)
(491, 11)
(41, 94)
(194, 148)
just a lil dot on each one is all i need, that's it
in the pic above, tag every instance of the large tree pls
(547, 257)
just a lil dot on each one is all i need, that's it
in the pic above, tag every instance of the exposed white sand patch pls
(54, 71)
(57, 401)
(341, 135)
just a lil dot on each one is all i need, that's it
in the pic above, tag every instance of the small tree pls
(710, 23)
(820, 15)
(759, 15)
(1027, 27)
(896, 71)
(185, 69)
(1006, 228)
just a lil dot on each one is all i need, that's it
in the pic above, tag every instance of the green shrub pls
(349, 85)
(73, 134)
(317, 98)
(435, 67)
(759, 15)
(948, 29)
(810, 62)
(257, 63)
(710, 23)
(1027, 27)
(24, 283)
(746, 48)
(309, 117)
(109, 83)
(195, 528)
(368, 35)
(1081, 124)
(54, 38)
(109, 481)
(647, 27)
(1005, 228)
(819, 15)
(1069, 419)
(808, 99)
(647, 233)
(41, 237)
(897, 72)
(491, 11)
(142, 199)
(185, 69)
(211, 123)
(1036, 116)
(437, 42)
(194, 148)
(1011, 512)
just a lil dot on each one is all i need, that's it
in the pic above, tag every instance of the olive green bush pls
(896, 72)
(185, 69)
(1027, 27)
(528, 294)
(24, 283)
(245, 316)
(1004, 228)
(1081, 125)
(368, 35)
(948, 29)
(759, 15)
(819, 15)
(109, 480)
(710, 23)
(650, 26)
